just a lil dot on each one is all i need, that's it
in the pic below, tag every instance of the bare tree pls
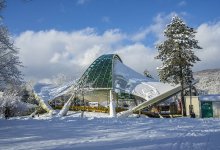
(10, 75)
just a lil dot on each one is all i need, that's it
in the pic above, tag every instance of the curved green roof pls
(99, 73)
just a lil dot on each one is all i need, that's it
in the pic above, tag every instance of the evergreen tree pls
(177, 55)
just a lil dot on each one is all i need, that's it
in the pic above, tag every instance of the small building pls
(204, 106)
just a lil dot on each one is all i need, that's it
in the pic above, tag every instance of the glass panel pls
(99, 73)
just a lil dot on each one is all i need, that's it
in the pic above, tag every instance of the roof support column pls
(112, 111)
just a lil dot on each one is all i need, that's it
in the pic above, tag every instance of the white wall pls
(216, 109)
(195, 103)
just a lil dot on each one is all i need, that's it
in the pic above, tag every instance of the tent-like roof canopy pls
(99, 73)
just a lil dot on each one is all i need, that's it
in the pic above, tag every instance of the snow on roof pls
(48, 91)
(124, 79)
(129, 81)
(209, 97)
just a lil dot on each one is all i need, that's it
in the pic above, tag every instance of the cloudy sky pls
(56, 37)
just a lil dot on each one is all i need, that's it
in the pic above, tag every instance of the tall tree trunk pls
(182, 100)
(182, 92)
(182, 86)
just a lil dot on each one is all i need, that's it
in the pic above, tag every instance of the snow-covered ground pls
(101, 132)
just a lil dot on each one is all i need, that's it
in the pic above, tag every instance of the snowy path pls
(72, 132)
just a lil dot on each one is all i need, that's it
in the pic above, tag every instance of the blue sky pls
(68, 35)
(126, 15)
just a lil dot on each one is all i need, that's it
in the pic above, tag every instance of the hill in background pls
(209, 81)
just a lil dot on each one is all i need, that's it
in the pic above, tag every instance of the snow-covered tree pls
(9, 61)
(177, 55)
(15, 106)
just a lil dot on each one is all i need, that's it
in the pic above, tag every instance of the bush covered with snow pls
(15, 105)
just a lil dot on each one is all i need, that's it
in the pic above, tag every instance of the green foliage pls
(177, 55)
(176, 52)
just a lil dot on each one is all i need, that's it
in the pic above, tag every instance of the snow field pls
(98, 131)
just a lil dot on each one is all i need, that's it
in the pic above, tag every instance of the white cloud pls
(208, 36)
(89, 55)
(182, 3)
(159, 24)
(47, 53)
(55, 58)
(139, 57)
(139, 36)
(157, 28)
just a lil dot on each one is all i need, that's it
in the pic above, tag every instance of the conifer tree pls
(177, 55)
